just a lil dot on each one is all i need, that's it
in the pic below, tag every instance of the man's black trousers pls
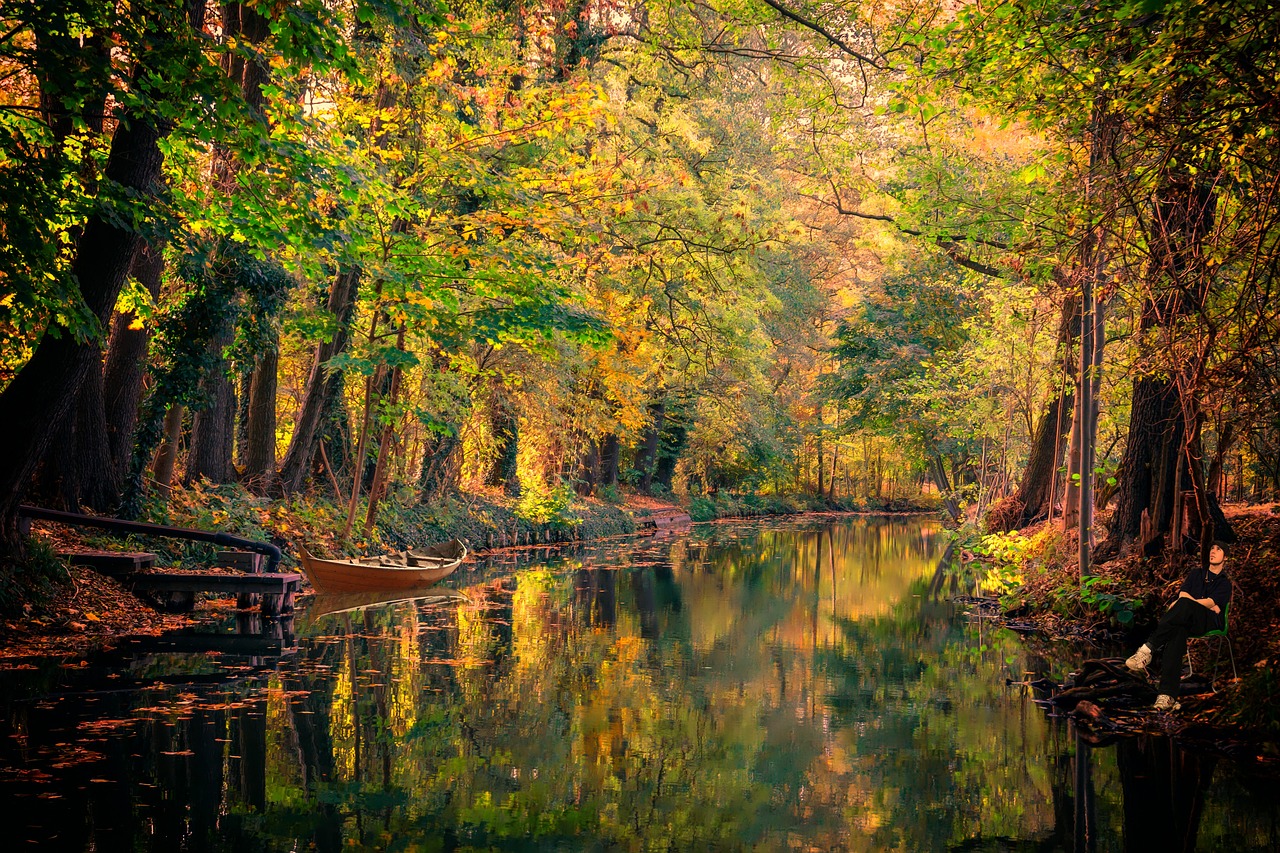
(1185, 619)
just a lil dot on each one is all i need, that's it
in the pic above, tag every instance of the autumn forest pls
(1013, 260)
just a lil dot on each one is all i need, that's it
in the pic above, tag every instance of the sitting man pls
(1197, 610)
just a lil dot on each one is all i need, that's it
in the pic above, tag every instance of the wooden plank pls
(110, 562)
(245, 561)
(278, 583)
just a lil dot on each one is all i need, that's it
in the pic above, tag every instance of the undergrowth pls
(1034, 571)
(32, 581)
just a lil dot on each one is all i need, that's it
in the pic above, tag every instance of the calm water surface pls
(800, 685)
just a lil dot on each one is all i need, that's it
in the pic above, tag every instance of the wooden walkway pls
(273, 592)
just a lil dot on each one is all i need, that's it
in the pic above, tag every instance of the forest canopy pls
(1012, 255)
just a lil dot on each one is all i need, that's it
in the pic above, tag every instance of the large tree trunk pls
(322, 388)
(76, 472)
(43, 392)
(1148, 466)
(609, 453)
(506, 432)
(126, 365)
(260, 435)
(1183, 214)
(588, 475)
(647, 452)
(213, 427)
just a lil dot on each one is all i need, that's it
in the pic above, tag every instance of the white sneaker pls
(1138, 661)
(1165, 702)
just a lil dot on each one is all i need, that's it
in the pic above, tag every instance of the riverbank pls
(74, 610)
(59, 610)
(725, 505)
(1035, 576)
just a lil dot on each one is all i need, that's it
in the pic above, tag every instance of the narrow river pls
(788, 685)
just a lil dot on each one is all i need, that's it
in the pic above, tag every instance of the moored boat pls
(415, 568)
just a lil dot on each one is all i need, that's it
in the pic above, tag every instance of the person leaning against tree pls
(1197, 610)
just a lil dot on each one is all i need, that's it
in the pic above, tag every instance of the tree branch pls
(948, 243)
(831, 37)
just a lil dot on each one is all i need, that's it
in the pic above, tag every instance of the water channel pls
(803, 684)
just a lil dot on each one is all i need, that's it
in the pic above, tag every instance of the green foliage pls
(549, 505)
(1006, 555)
(1096, 592)
(702, 508)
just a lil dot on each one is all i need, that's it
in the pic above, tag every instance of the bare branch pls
(831, 37)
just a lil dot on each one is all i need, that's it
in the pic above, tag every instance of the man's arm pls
(1203, 602)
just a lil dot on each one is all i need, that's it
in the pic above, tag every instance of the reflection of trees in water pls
(1164, 790)
(574, 703)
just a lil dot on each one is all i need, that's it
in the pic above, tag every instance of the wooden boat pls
(412, 569)
(330, 603)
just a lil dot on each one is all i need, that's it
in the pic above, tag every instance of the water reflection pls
(801, 685)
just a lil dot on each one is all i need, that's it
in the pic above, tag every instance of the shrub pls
(550, 506)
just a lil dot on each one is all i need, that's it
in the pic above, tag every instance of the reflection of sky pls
(766, 686)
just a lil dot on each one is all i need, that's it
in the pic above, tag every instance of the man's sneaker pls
(1138, 661)
(1165, 702)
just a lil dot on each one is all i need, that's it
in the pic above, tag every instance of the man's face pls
(1216, 559)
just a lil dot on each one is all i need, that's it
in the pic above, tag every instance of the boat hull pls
(336, 576)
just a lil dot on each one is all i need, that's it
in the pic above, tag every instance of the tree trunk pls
(167, 456)
(260, 434)
(944, 487)
(76, 472)
(440, 466)
(506, 432)
(243, 383)
(647, 452)
(1147, 466)
(1071, 496)
(1183, 214)
(126, 364)
(1217, 482)
(609, 453)
(822, 469)
(588, 468)
(322, 386)
(43, 392)
(213, 427)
